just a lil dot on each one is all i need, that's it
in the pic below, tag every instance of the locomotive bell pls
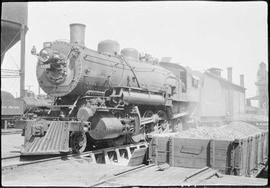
(77, 33)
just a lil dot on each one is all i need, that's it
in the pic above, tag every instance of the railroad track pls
(16, 161)
(8, 132)
(125, 172)
(115, 155)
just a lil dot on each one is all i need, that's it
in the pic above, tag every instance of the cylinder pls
(106, 128)
(77, 33)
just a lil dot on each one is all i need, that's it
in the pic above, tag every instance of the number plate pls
(45, 66)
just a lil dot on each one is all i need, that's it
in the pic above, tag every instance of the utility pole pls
(22, 71)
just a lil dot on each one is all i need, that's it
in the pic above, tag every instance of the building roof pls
(225, 82)
(198, 74)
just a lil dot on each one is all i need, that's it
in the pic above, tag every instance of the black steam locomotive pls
(104, 96)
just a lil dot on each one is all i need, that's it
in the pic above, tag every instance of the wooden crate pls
(265, 145)
(245, 148)
(233, 157)
(159, 149)
(253, 152)
(249, 154)
(222, 156)
(260, 148)
(189, 153)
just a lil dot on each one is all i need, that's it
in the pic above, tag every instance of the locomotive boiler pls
(102, 97)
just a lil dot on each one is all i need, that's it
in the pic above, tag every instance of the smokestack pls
(77, 33)
(229, 74)
(242, 83)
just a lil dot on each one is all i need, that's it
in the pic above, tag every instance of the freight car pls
(10, 109)
(104, 96)
(14, 108)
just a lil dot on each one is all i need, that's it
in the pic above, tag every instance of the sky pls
(197, 34)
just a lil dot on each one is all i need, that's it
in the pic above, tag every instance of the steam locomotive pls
(107, 96)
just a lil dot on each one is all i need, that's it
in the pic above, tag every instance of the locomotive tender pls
(103, 97)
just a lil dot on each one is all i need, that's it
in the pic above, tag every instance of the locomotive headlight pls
(56, 56)
(44, 55)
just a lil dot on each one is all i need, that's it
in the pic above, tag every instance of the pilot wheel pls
(78, 142)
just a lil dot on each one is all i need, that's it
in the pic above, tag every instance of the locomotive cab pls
(181, 74)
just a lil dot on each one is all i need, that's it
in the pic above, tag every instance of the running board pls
(54, 141)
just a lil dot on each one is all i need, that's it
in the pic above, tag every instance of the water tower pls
(13, 29)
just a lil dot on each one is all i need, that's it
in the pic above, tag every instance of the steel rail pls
(11, 132)
(125, 172)
(10, 157)
(196, 173)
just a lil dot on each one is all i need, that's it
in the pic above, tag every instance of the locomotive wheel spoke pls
(163, 124)
(136, 131)
(148, 128)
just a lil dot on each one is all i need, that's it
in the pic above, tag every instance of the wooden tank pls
(14, 16)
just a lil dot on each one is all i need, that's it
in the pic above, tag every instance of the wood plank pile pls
(237, 148)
